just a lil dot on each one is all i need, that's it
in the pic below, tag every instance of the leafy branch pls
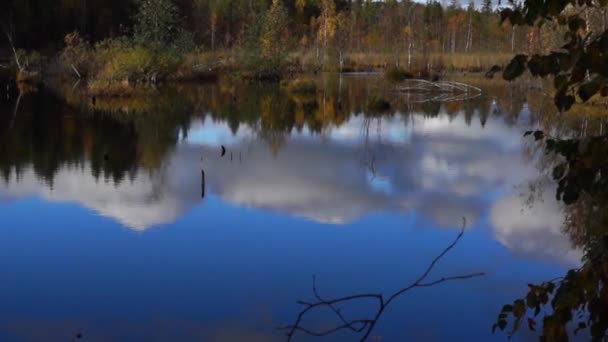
(365, 326)
(579, 67)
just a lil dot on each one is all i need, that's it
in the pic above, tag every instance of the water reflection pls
(324, 158)
(321, 157)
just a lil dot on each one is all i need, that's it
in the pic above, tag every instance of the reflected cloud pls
(441, 168)
(534, 231)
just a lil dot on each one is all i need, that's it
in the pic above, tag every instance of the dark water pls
(105, 230)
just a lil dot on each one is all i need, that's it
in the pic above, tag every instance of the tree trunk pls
(513, 39)
(213, 38)
(409, 54)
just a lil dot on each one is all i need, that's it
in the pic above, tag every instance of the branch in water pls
(366, 326)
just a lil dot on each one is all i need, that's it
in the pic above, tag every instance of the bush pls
(397, 74)
(31, 67)
(120, 59)
(26, 76)
(78, 53)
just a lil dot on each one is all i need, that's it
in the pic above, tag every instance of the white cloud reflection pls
(438, 167)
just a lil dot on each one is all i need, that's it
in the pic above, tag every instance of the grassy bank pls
(123, 67)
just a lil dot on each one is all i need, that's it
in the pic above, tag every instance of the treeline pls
(391, 26)
(107, 41)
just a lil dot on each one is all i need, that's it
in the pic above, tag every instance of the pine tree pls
(156, 22)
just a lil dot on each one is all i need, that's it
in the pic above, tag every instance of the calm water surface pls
(105, 229)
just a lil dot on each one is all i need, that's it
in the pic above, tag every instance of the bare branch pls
(366, 326)
(349, 325)
(15, 110)
(75, 70)
(10, 41)
(334, 308)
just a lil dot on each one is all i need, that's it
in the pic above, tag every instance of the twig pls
(366, 326)
(75, 85)
(75, 70)
(419, 85)
(10, 41)
(15, 110)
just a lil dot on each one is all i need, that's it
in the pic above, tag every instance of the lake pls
(109, 230)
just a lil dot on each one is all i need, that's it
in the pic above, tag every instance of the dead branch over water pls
(365, 326)
(420, 91)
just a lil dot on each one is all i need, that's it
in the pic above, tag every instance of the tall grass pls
(379, 62)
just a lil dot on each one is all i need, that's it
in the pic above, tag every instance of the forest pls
(186, 39)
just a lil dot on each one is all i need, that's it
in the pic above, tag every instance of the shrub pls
(120, 59)
(27, 76)
(78, 54)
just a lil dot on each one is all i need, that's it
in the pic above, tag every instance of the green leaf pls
(507, 308)
(588, 89)
(505, 14)
(581, 326)
(576, 23)
(558, 173)
(560, 82)
(519, 308)
(531, 300)
(531, 324)
(564, 102)
(501, 324)
(516, 67)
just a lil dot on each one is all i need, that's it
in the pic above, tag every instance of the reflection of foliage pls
(580, 297)
(119, 136)
(377, 105)
(115, 141)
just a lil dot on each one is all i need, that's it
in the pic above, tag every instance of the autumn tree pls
(327, 24)
(273, 38)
